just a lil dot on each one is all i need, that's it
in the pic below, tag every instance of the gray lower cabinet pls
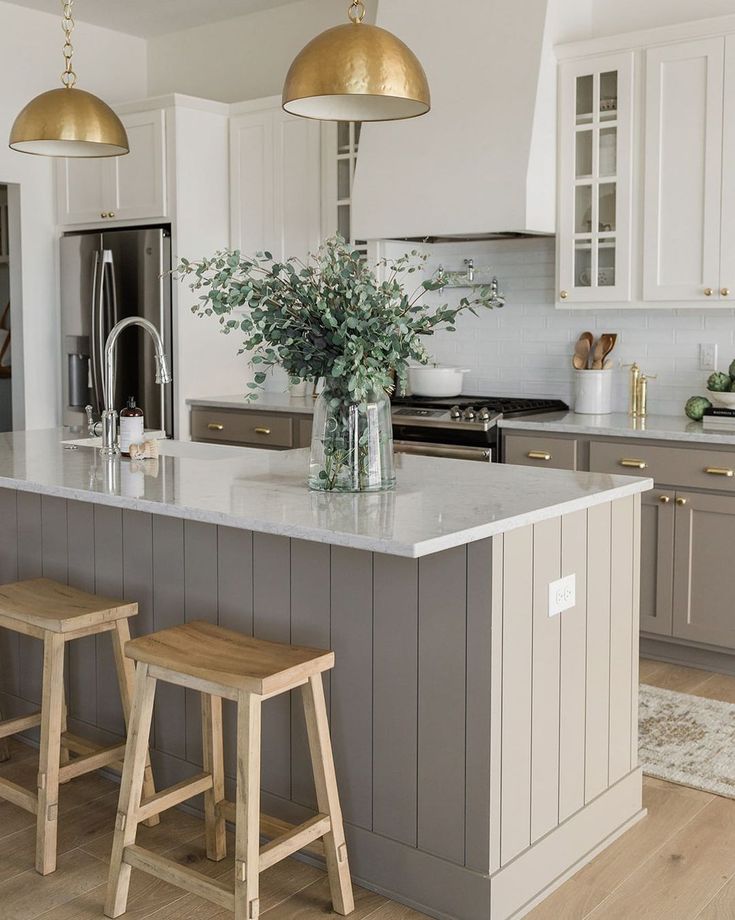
(250, 428)
(657, 561)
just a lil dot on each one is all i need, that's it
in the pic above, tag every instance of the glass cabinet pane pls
(583, 209)
(583, 263)
(608, 161)
(585, 96)
(343, 137)
(606, 263)
(584, 153)
(607, 207)
(609, 95)
(343, 221)
(343, 179)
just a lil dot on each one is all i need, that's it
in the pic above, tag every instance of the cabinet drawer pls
(251, 428)
(554, 453)
(674, 466)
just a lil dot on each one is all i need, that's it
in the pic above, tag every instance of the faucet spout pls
(163, 376)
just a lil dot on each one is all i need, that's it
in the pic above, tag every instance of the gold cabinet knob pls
(111, 214)
(681, 501)
(664, 499)
(725, 292)
(563, 294)
(103, 215)
(215, 426)
(708, 292)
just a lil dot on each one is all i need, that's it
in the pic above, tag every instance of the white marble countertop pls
(621, 425)
(438, 504)
(265, 402)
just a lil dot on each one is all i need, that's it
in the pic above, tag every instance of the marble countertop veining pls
(438, 504)
(265, 402)
(621, 425)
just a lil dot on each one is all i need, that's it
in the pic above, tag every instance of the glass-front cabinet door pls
(595, 180)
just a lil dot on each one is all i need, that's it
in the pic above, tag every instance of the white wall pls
(243, 58)
(525, 349)
(109, 64)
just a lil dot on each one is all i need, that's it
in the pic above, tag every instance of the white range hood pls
(483, 161)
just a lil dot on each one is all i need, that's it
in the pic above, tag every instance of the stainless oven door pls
(450, 451)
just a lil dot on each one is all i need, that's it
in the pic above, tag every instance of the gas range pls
(461, 426)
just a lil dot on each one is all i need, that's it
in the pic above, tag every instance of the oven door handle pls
(450, 452)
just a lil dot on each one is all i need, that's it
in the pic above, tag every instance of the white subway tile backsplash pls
(525, 348)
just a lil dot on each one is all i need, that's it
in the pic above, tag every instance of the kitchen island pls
(485, 749)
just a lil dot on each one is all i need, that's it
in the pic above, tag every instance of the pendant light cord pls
(356, 11)
(68, 77)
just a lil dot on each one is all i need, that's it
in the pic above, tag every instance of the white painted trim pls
(255, 105)
(171, 101)
(647, 38)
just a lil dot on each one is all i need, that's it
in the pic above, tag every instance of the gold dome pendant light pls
(356, 72)
(68, 122)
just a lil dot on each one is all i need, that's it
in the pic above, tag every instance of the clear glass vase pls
(351, 443)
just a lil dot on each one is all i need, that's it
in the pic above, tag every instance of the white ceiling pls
(153, 17)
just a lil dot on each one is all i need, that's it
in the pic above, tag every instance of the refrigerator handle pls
(97, 336)
(107, 313)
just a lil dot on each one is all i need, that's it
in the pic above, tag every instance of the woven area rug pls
(688, 740)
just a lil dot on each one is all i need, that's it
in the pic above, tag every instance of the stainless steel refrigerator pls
(106, 277)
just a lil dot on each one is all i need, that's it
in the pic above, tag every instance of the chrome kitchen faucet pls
(110, 447)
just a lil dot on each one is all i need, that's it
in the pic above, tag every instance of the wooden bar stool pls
(57, 614)
(221, 663)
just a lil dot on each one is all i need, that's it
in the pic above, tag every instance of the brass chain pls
(356, 11)
(68, 77)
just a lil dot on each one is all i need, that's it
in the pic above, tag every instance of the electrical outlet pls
(708, 357)
(562, 595)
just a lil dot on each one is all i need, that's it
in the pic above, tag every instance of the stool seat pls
(229, 659)
(49, 606)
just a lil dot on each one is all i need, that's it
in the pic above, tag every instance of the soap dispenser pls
(132, 426)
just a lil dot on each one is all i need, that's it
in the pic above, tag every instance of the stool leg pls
(213, 758)
(63, 753)
(131, 788)
(4, 747)
(49, 757)
(247, 812)
(325, 781)
(126, 679)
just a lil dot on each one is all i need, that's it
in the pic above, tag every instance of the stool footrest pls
(294, 840)
(174, 795)
(214, 890)
(275, 828)
(102, 757)
(18, 795)
(14, 726)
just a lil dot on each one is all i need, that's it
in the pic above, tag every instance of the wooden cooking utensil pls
(581, 358)
(608, 340)
(598, 354)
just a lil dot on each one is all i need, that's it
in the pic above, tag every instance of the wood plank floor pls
(677, 864)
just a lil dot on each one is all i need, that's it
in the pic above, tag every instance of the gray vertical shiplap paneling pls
(545, 681)
(54, 539)
(235, 593)
(480, 667)
(573, 668)
(598, 651)
(200, 603)
(9, 647)
(138, 569)
(515, 831)
(82, 652)
(395, 697)
(108, 574)
(352, 681)
(621, 638)
(30, 565)
(310, 626)
(441, 717)
(272, 621)
(496, 701)
(169, 716)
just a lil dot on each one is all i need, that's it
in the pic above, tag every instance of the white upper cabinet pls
(595, 180)
(275, 181)
(683, 199)
(131, 187)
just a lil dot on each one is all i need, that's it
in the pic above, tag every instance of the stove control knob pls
(484, 415)
(455, 412)
(469, 414)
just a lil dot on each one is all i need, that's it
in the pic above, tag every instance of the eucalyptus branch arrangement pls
(329, 318)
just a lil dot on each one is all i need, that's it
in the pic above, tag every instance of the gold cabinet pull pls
(719, 471)
(725, 292)
(538, 455)
(681, 501)
(664, 499)
(103, 215)
(215, 426)
(563, 294)
(634, 464)
(262, 430)
(708, 292)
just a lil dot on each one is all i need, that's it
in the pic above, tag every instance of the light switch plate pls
(562, 595)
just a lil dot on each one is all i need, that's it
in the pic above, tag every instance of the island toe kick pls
(484, 736)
